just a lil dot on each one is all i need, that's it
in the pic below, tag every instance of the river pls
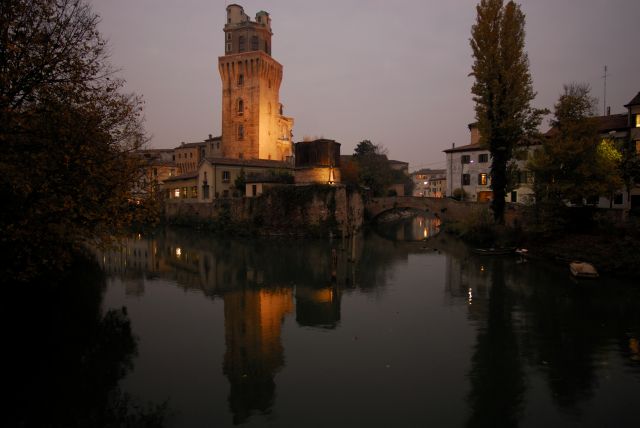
(389, 330)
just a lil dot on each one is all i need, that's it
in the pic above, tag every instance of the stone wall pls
(318, 175)
(284, 210)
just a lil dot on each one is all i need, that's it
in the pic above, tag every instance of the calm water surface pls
(384, 332)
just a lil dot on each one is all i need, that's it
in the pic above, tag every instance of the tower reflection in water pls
(258, 296)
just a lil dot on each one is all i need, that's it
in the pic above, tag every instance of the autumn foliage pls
(66, 131)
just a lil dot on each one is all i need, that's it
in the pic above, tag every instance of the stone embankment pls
(315, 210)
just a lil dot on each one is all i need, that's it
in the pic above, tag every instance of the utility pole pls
(604, 76)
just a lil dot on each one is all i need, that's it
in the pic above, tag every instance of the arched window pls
(241, 44)
(240, 107)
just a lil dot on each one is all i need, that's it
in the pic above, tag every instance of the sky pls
(393, 72)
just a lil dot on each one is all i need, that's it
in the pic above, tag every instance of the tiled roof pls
(185, 176)
(635, 101)
(612, 122)
(467, 148)
(190, 145)
(265, 163)
(425, 171)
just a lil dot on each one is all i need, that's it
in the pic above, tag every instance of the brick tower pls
(253, 126)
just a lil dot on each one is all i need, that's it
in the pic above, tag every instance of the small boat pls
(493, 251)
(522, 252)
(583, 270)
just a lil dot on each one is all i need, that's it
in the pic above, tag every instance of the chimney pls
(210, 136)
(453, 145)
(608, 110)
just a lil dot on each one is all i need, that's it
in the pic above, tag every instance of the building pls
(157, 166)
(189, 155)
(468, 172)
(468, 167)
(429, 183)
(317, 161)
(217, 177)
(253, 124)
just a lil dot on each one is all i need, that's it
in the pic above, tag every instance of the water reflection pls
(414, 226)
(534, 332)
(497, 376)
(65, 356)
(252, 321)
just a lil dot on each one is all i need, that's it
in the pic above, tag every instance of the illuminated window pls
(176, 193)
(483, 158)
(466, 179)
(465, 159)
(226, 176)
(637, 146)
(482, 179)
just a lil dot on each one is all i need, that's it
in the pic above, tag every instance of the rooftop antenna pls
(604, 76)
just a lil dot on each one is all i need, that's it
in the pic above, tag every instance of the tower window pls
(240, 79)
(229, 36)
(240, 132)
(241, 44)
(228, 47)
(240, 107)
(254, 43)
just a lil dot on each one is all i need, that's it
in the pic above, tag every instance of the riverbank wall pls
(313, 210)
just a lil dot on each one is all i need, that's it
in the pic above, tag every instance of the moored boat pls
(493, 251)
(583, 270)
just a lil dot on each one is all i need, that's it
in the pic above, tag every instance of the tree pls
(374, 171)
(502, 90)
(575, 163)
(67, 132)
(241, 182)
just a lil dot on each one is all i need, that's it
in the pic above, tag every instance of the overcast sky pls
(394, 72)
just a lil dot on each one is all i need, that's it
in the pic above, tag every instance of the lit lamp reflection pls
(318, 306)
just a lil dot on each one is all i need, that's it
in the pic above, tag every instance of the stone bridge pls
(446, 208)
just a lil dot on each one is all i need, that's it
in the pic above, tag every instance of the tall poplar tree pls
(503, 89)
